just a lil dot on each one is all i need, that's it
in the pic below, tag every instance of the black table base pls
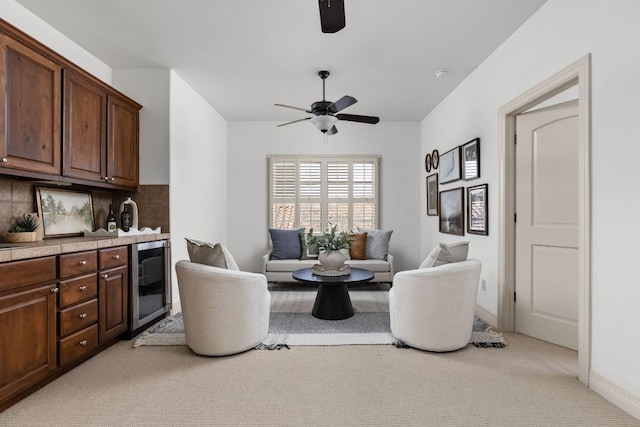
(332, 302)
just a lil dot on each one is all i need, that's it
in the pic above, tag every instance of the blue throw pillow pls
(286, 243)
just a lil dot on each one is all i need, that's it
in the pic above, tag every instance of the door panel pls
(547, 224)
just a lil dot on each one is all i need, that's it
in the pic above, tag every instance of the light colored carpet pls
(527, 383)
(292, 324)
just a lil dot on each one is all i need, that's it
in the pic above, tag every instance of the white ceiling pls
(243, 56)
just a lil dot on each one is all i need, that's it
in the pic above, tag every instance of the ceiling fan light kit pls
(325, 112)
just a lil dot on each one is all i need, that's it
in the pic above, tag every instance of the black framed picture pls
(452, 211)
(450, 166)
(477, 209)
(471, 160)
(427, 163)
(432, 195)
(435, 159)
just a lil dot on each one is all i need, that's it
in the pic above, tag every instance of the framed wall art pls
(435, 159)
(450, 166)
(477, 209)
(64, 212)
(432, 195)
(452, 211)
(471, 160)
(427, 163)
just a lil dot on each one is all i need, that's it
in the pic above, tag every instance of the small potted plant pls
(329, 243)
(24, 230)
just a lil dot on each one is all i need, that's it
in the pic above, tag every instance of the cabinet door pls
(27, 338)
(29, 111)
(122, 143)
(85, 120)
(113, 303)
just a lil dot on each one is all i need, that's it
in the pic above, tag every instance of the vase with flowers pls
(329, 243)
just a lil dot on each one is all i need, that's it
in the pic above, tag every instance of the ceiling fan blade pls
(342, 103)
(331, 15)
(295, 121)
(294, 108)
(357, 118)
(332, 131)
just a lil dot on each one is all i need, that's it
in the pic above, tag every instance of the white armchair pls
(224, 311)
(432, 309)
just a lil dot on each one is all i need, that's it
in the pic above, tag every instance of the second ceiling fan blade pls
(293, 108)
(331, 15)
(342, 103)
(295, 121)
(357, 118)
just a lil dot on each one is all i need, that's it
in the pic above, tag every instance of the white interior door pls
(546, 256)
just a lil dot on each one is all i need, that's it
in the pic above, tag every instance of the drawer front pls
(78, 344)
(21, 273)
(114, 257)
(79, 316)
(78, 263)
(79, 289)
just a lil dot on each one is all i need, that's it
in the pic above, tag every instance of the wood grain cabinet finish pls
(27, 324)
(30, 116)
(78, 345)
(114, 303)
(78, 289)
(122, 142)
(78, 263)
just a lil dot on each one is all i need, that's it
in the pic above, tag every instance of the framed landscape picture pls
(432, 195)
(477, 209)
(64, 212)
(450, 166)
(471, 160)
(452, 211)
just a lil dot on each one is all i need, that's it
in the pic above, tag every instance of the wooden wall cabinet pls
(101, 131)
(28, 292)
(30, 90)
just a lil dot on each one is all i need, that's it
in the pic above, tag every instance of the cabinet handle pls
(83, 315)
(105, 276)
(116, 257)
(82, 288)
(106, 178)
(5, 160)
(55, 290)
(112, 179)
(83, 262)
(83, 343)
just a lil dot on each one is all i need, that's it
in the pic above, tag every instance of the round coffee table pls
(333, 301)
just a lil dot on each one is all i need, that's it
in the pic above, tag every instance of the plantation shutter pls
(319, 191)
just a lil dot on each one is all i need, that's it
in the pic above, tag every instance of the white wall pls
(150, 88)
(250, 142)
(21, 18)
(198, 171)
(561, 32)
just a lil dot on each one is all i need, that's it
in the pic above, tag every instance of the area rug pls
(291, 324)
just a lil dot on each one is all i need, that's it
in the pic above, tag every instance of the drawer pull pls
(116, 257)
(83, 343)
(83, 262)
(83, 315)
(82, 288)
(55, 290)
(105, 276)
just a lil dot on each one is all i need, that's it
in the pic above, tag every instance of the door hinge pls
(515, 139)
(515, 217)
(514, 296)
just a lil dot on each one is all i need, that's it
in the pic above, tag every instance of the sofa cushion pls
(286, 243)
(357, 250)
(209, 254)
(377, 243)
(446, 253)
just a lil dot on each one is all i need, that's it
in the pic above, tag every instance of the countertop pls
(62, 245)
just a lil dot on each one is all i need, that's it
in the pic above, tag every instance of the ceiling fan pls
(331, 15)
(325, 112)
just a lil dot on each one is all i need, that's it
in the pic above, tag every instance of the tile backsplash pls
(17, 197)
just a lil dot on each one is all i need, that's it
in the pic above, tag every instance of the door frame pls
(577, 73)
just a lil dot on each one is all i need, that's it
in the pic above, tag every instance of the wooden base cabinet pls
(114, 293)
(27, 324)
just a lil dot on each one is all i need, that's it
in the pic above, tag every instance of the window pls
(313, 192)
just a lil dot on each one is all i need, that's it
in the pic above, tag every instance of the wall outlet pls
(483, 284)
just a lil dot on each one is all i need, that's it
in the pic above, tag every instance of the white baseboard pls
(489, 318)
(615, 394)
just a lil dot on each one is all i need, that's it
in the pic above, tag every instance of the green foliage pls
(25, 225)
(330, 240)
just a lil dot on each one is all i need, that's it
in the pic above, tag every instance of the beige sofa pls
(279, 270)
